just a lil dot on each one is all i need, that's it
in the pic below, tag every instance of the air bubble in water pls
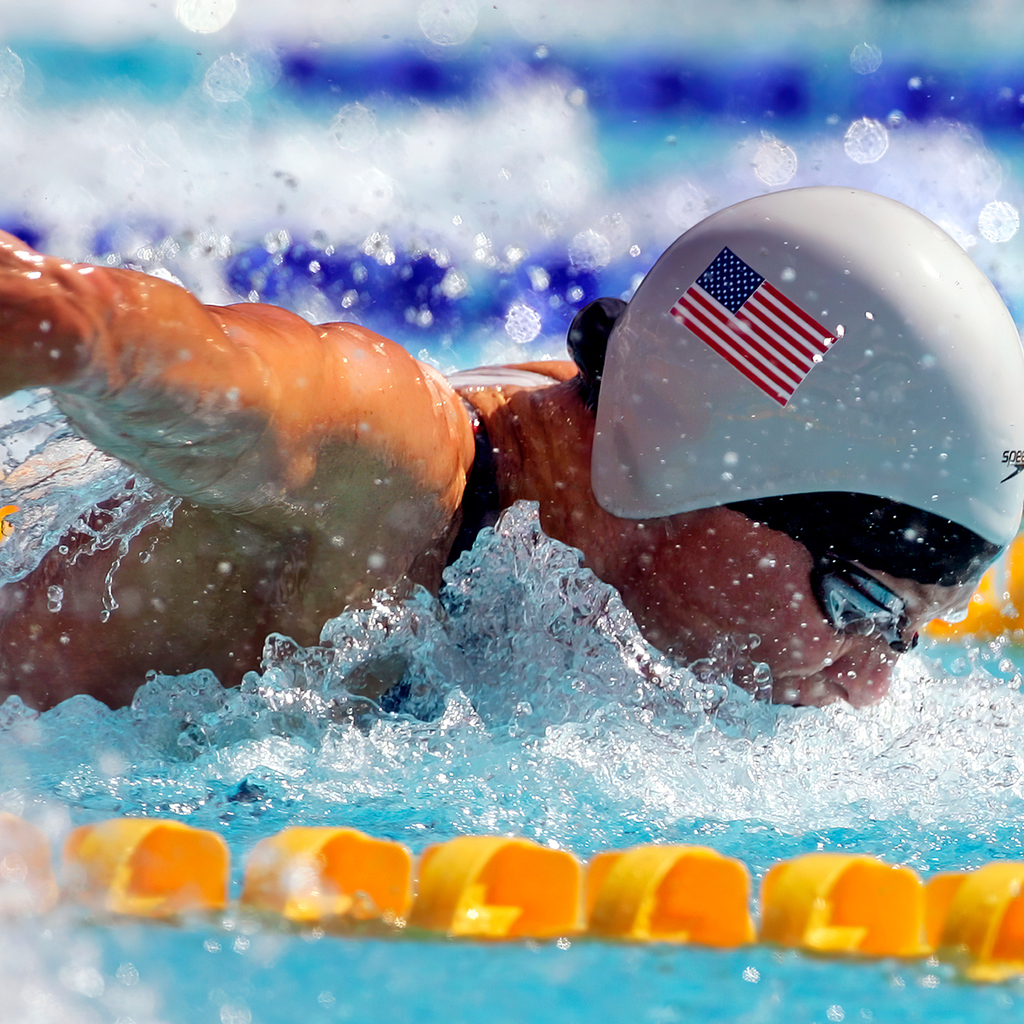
(354, 127)
(448, 22)
(774, 162)
(204, 16)
(866, 141)
(227, 79)
(956, 615)
(589, 250)
(127, 974)
(454, 285)
(54, 598)
(231, 1013)
(865, 58)
(998, 221)
(522, 323)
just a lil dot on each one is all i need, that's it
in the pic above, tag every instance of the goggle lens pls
(856, 604)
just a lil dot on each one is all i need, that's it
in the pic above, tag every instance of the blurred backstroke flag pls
(751, 324)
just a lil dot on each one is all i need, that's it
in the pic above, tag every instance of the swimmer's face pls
(715, 572)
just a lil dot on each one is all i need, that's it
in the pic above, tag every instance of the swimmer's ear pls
(587, 341)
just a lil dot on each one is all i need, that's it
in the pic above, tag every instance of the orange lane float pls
(147, 868)
(317, 874)
(495, 887)
(837, 903)
(982, 919)
(669, 894)
(997, 606)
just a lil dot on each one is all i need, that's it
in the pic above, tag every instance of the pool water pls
(464, 178)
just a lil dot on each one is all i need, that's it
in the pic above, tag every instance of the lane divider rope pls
(496, 887)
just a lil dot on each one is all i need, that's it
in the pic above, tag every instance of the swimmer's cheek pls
(12, 600)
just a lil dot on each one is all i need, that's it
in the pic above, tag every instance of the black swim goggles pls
(859, 605)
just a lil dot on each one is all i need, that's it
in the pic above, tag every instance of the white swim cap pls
(814, 340)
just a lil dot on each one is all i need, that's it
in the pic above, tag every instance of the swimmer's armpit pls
(238, 408)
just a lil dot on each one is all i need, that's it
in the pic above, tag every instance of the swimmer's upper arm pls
(244, 408)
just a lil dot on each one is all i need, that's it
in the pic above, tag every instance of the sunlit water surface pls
(466, 195)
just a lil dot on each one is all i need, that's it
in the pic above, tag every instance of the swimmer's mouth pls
(862, 686)
(815, 690)
(797, 689)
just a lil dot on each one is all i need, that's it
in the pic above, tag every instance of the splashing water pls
(527, 702)
(63, 484)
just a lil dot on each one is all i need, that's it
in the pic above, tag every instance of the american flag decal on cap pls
(752, 325)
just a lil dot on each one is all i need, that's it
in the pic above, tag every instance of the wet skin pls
(318, 463)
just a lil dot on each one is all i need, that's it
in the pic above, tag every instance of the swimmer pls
(796, 429)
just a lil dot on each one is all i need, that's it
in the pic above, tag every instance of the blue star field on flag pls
(730, 280)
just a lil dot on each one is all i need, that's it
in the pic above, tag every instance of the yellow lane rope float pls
(997, 607)
(504, 888)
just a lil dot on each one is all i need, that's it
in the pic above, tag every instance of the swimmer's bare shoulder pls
(316, 463)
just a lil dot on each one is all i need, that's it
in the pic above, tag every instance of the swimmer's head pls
(808, 341)
(833, 366)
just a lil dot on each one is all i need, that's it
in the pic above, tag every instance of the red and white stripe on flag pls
(769, 339)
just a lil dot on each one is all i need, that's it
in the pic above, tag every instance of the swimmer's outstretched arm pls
(246, 408)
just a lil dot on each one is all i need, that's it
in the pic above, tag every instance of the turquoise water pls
(466, 193)
(266, 977)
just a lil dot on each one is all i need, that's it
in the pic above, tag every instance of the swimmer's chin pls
(818, 689)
